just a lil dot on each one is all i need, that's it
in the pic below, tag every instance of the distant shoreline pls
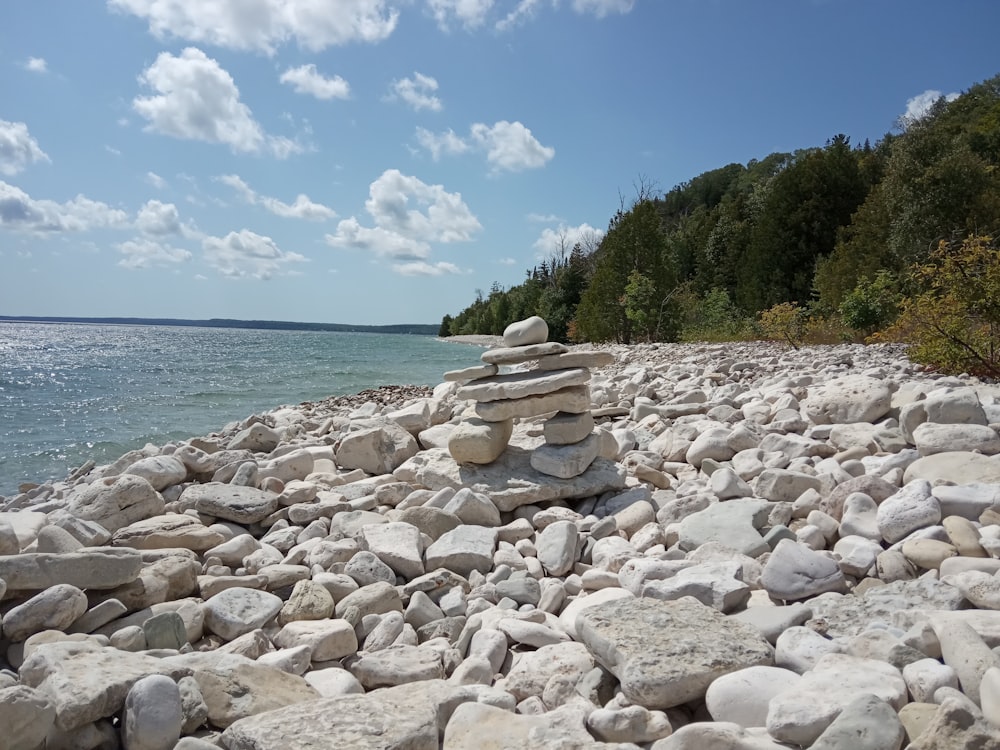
(273, 325)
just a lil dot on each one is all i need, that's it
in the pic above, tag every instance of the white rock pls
(236, 611)
(794, 572)
(116, 501)
(557, 547)
(800, 715)
(516, 385)
(931, 438)
(55, 608)
(26, 716)
(912, 508)
(852, 398)
(925, 676)
(575, 400)
(799, 649)
(327, 639)
(533, 330)
(160, 471)
(742, 697)
(376, 450)
(398, 545)
(463, 550)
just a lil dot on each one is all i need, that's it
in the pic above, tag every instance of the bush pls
(785, 321)
(871, 305)
(713, 317)
(952, 320)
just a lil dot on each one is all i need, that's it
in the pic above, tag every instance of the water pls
(70, 392)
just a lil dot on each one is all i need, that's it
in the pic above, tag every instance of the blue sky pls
(378, 161)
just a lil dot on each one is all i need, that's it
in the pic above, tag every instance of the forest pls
(842, 242)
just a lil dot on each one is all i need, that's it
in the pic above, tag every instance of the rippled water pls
(72, 392)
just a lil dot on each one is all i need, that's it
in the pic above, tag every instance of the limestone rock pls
(668, 653)
(167, 531)
(153, 714)
(957, 467)
(794, 572)
(513, 355)
(574, 399)
(476, 441)
(90, 568)
(912, 508)
(510, 481)
(931, 438)
(233, 612)
(230, 502)
(55, 608)
(516, 385)
(742, 697)
(26, 716)
(117, 501)
(851, 398)
(866, 723)
(376, 450)
(463, 550)
(565, 461)
(533, 330)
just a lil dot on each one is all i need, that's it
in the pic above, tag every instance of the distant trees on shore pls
(825, 244)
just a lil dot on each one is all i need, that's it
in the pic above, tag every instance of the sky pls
(381, 161)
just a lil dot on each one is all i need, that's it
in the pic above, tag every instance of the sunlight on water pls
(73, 392)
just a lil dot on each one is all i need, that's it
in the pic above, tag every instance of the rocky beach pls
(738, 546)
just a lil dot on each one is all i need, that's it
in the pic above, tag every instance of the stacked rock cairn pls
(557, 381)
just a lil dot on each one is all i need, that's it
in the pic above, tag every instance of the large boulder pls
(376, 450)
(851, 398)
(117, 501)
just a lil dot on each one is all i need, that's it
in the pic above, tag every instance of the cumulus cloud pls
(602, 8)
(918, 106)
(21, 212)
(248, 255)
(305, 79)
(418, 92)
(509, 146)
(196, 99)
(36, 65)
(156, 218)
(470, 13)
(408, 215)
(302, 208)
(562, 239)
(264, 25)
(18, 148)
(146, 253)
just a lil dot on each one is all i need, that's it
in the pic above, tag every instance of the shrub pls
(872, 304)
(952, 319)
(785, 321)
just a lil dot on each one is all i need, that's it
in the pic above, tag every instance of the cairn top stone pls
(533, 330)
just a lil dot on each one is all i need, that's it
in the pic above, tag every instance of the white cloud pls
(155, 180)
(145, 253)
(470, 13)
(510, 147)
(417, 92)
(422, 268)
(563, 238)
(441, 143)
(36, 65)
(21, 212)
(918, 106)
(302, 208)
(112, 150)
(156, 218)
(403, 232)
(506, 261)
(196, 99)
(602, 8)
(305, 79)
(264, 25)
(246, 254)
(524, 11)
(18, 148)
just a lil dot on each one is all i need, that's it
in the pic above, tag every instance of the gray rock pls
(153, 715)
(476, 441)
(516, 385)
(55, 608)
(742, 697)
(866, 723)
(956, 467)
(532, 330)
(911, 508)
(566, 461)
(734, 524)
(794, 572)
(365, 567)
(26, 716)
(160, 471)
(398, 545)
(513, 355)
(463, 549)
(243, 505)
(257, 438)
(668, 653)
(557, 547)
(851, 398)
(396, 665)
(233, 612)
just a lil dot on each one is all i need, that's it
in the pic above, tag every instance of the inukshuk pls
(550, 379)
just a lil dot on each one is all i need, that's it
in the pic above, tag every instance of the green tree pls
(445, 330)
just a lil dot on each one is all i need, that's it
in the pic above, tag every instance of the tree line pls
(829, 243)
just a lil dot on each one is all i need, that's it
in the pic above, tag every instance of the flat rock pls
(463, 549)
(117, 501)
(666, 653)
(516, 385)
(486, 727)
(931, 438)
(230, 502)
(89, 568)
(509, 482)
(167, 531)
(396, 665)
(513, 355)
(574, 399)
(376, 450)
(408, 716)
(235, 611)
(733, 524)
(235, 687)
(160, 471)
(470, 373)
(576, 358)
(956, 467)
(87, 682)
(866, 723)
(851, 398)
